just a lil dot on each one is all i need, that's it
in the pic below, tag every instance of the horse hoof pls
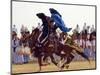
(60, 69)
(67, 66)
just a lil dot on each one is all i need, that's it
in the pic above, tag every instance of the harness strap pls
(44, 39)
(40, 36)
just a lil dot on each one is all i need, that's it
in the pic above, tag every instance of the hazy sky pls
(25, 13)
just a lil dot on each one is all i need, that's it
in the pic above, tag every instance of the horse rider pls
(44, 34)
(59, 23)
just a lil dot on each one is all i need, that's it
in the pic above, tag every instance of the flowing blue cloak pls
(59, 22)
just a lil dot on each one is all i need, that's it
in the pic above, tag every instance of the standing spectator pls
(26, 29)
(77, 29)
(93, 42)
(26, 43)
(92, 29)
(22, 30)
(14, 29)
(88, 29)
(27, 53)
(15, 42)
(78, 42)
(81, 41)
(17, 58)
(84, 27)
(87, 49)
(88, 32)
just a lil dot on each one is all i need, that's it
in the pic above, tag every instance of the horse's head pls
(33, 38)
(35, 33)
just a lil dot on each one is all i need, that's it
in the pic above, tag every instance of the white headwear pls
(84, 27)
(92, 28)
(77, 29)
(22, 28)
(26, 29)
(33, 28)
(14, 28)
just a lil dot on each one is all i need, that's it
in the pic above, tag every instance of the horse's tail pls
(83, 55)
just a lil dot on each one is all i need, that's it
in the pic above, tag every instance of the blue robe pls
(58, 21)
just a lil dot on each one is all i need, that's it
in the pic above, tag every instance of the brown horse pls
(51, 46)
(69, 49)
(33, 39)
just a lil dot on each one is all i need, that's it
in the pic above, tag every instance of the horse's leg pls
(62, 57)
(69, 59)
(45, 59)
(39, 56)
(60, 63)
(40, 62)
(53, 60)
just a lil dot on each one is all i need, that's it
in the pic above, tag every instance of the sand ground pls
(33, 67)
